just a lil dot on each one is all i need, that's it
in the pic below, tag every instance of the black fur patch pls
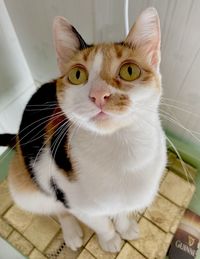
(83, 44)
(8, 140)
(58, 150)
(38, 111)
(59, 194)
(32, 129)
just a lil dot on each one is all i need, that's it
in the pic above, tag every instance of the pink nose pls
(99, 97)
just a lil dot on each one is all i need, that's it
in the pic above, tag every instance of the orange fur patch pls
(118, 103)
(18, 176)
(113, 56)
(56, 120)
(52, 126)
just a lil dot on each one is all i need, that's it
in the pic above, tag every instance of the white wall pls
(104, 20)
(16, 83)
(32, 21)
(180, 66)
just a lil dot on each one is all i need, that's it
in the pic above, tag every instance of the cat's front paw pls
(112, 245)
(74, 242)
(132, 232)
(73, 237)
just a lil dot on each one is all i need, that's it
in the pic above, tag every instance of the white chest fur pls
(115, 173)
(119, 172)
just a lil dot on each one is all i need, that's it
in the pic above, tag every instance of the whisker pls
(175, 149)
(43, 104)
(167, 115)
(40, 109)
(45, 119)
(175, 101)
(181, 109)
(38, 133)
(76, 126)
(62, 131)
(44, 144)
(181, 126)
(182, 163)
(33, 139)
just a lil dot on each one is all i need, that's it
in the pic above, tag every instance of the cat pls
(90, 144)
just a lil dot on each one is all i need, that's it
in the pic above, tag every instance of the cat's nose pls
(99, 97)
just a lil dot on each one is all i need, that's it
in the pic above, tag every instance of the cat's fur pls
(73, 161)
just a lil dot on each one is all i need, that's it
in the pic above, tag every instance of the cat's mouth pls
(100, 116)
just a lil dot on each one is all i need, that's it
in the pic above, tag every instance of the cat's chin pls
(103, 123)
(106, 125)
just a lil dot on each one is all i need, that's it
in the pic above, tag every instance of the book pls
(185, 242)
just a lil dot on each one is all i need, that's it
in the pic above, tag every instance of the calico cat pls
(90, 144)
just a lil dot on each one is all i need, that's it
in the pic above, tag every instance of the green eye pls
(129, 72)
(77, 76)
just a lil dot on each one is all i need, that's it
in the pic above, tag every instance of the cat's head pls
(106, 87)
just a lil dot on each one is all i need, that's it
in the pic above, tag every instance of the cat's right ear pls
(145, 34)
(67, 41)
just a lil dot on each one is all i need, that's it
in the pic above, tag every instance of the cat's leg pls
(72, 231)
(126, 226)
(108, 238)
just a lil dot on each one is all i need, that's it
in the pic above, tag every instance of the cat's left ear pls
(67, 41)
(145, 34)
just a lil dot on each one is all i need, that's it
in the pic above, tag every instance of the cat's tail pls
(8, 140)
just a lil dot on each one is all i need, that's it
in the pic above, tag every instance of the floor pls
(7, 251)
(40, 237)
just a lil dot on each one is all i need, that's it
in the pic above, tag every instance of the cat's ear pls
(67, 41)
(145, 34)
